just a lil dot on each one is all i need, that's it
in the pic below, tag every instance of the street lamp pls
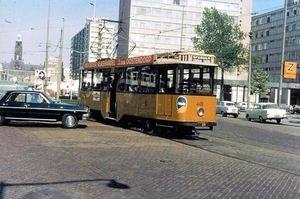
(282, 55)
(249, 69)
(94, 4)
(47, 51)
(59, 67)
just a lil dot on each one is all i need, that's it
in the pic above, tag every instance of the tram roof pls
(179, 57)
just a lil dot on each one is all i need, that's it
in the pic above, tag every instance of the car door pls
(15, 106)
(38, 107)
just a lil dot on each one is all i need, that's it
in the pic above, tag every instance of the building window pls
(261, 34)
(177, 2)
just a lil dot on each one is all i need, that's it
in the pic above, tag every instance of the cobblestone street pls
(99, 161)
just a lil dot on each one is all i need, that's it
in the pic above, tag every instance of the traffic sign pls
(290, 70)
(42, 75)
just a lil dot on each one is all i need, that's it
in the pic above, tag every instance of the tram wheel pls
(150, 127)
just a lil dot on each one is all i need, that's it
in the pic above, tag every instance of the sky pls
(29, 18)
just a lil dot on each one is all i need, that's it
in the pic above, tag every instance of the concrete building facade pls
(94, 42)
(267, 43)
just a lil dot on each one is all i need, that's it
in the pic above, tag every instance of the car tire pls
(235, 116)
(2, 120)
(278, 121)
(224, 114)
(261, 119)
(69, 121)
(248, 117)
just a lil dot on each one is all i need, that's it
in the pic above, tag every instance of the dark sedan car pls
(39, 106)
(295, 110)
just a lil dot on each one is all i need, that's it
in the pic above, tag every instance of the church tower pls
(18, 48)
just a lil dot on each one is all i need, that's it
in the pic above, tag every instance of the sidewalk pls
(293, 120)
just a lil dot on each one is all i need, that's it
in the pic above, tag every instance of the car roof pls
(27, 91)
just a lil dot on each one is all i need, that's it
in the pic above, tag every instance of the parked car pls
(243, 106)
(39, 106)
(285, 107)
(295, 110)
(227, 108)
(265, 111)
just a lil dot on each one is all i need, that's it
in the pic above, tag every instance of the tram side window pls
(98, 80)
(148, 80)
(166, 80)
(131, 81)
(86, 79)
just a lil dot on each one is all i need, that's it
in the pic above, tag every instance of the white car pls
(227, 108)
(265, 111)
(243, 106)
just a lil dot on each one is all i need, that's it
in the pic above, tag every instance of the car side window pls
(35, 98)
(16, 97)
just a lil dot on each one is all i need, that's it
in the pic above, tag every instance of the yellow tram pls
(168, 90)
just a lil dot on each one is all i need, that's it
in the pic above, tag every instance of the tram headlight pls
(200, 112)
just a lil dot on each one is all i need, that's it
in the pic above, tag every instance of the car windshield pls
(2, 94)
(49, 98)
(230, 104)
(266, 106)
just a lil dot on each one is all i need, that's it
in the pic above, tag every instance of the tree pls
(219, 35)
(259, 81)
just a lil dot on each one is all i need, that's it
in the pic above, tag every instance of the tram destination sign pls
(197, 58)
(133, 61)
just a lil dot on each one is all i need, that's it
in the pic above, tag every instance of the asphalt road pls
(238, 159)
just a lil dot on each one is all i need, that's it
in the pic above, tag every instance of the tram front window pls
(195, 80)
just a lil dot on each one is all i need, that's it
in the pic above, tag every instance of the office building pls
(94, 42)
(267, 43)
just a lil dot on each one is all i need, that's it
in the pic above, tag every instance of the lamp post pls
(249, 69)
(181, 34)
(282, 56)
(59, 67)
(94, 4)
(45, 83)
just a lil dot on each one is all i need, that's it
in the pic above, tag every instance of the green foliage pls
(259, 81)
(219, 35)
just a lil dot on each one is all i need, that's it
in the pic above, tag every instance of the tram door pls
(112, 93)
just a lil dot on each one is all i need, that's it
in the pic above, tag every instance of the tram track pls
(275, 159)
(263, 153)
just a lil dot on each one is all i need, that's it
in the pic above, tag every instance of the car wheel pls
(261, 119)
(2, 120)
(69, 121)
(235, 116)
(248, 117)
(278, 121)
(224, 114)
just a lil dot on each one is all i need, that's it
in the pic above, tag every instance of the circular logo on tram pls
(181, 104)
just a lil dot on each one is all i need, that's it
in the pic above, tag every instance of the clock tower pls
(18, 48)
